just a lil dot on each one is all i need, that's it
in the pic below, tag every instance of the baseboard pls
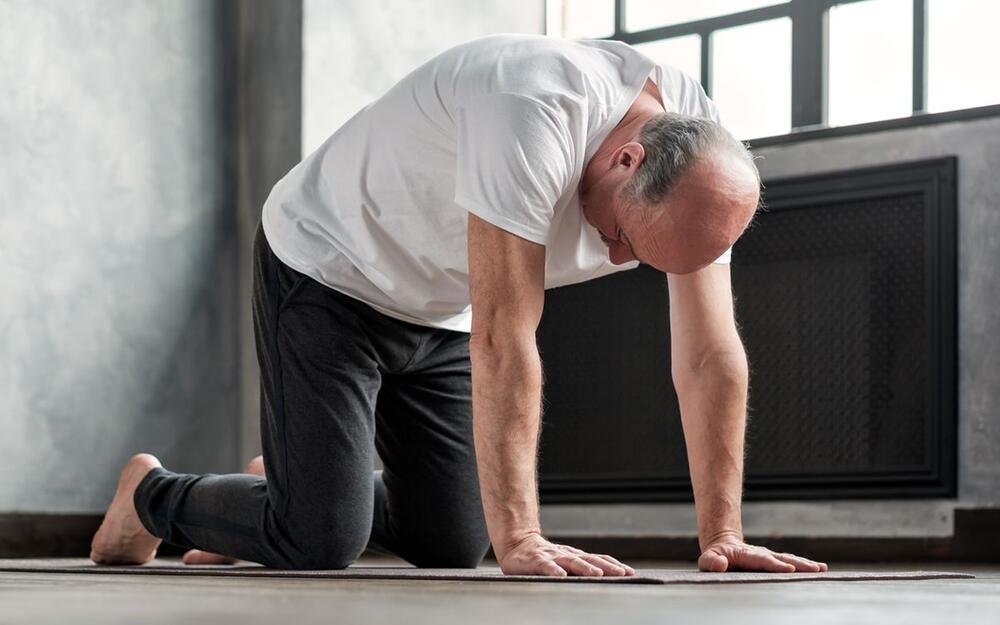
(52, 535)
(974, 540)
(977, 535)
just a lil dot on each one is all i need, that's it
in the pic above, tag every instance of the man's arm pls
(710, 373)
(709, 370)
(506, 284)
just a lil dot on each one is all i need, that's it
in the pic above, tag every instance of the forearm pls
(506, 404)
(713, 402)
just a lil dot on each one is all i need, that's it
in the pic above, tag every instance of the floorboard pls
(112, 599)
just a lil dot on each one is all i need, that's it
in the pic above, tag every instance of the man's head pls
(675, 196)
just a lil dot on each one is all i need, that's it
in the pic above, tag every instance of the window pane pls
(684, 53)
(643, 14)
(752, 78)
(580, 19)
(871, 61)
(963, 54)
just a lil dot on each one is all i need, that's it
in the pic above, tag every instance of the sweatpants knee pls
(327, 557)
(459, 552)
(319, 546)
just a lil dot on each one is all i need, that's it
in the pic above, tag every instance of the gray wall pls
(137, 143)
(977, 145)
(267, 38)
(117, 247)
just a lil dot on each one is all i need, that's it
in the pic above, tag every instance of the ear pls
(630, 155)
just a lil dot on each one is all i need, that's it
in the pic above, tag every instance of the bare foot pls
(121, 538)
(197, 556)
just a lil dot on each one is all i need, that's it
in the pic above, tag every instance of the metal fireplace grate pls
(845, 291)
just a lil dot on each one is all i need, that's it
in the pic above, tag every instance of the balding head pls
(677, 196)
(701, 216)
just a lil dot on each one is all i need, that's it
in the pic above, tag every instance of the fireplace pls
(846, 299)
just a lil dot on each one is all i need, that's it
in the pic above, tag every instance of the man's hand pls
(736, 555)
(534, 555)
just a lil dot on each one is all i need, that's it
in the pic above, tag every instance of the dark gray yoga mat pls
(482, 574)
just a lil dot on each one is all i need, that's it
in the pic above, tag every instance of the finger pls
(768, 562)
(713, 562)
(822, 565)
(614, 561)
(800, 564)
(575, 565)
(550, 568)
(617, 562)
(608, 567)
(758, 559)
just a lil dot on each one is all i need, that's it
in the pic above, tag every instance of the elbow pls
(504, 363)
(496, 346)
(727, 367)
(501, 331)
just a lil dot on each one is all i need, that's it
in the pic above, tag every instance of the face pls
(606, 207)
(702, 216)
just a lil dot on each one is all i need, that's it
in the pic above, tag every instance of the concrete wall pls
(977, 145)
(268, 119)
(137, 143)
(117, 247)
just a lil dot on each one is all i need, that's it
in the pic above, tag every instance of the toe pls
(197, 556)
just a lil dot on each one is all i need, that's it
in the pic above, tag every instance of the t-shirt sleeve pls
(514, 162)
(726, 257)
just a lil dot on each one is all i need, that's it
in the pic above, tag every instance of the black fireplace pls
(846, 298)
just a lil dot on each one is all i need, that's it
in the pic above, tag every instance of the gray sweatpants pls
(336, 375)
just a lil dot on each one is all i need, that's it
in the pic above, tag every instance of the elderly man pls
(399, 278)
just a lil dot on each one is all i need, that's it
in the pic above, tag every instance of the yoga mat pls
(481, 574)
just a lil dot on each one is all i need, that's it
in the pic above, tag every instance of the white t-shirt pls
(501, 127)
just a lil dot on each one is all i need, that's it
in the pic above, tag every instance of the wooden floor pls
(110, 599)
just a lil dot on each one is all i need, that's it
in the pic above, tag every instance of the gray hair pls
(672, 143)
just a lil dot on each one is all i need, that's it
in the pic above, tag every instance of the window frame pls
(809, 52)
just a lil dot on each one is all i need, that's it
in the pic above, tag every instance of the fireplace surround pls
(846, 298)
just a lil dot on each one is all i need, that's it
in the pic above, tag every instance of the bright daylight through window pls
(865, 71)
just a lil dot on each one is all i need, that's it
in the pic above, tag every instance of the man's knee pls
(326, 544)
(459, 550)
(332, 555)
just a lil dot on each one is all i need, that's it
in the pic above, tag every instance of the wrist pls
(511, 541)
(720, 537)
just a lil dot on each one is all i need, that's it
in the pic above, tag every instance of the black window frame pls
(809, 52)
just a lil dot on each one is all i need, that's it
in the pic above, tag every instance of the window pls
(645, 14)
(772, 66)
(580, 19)
(752, 77)
(869, 78)
(963, 54)
(684, 53)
